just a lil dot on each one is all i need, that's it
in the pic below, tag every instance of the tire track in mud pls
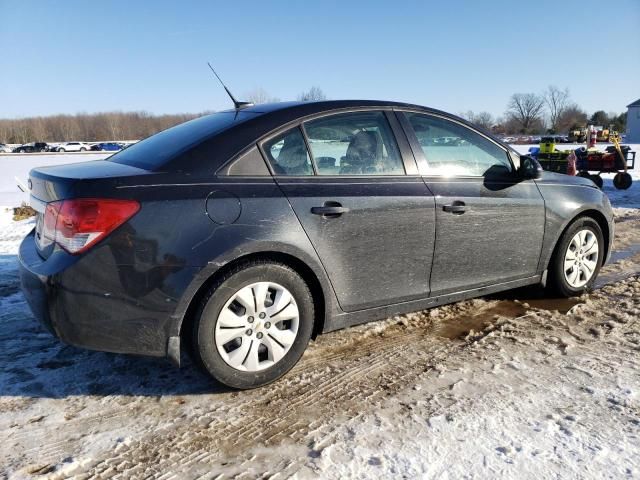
(377, 369)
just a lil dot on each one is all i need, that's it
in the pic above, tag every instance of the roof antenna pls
(237, 105)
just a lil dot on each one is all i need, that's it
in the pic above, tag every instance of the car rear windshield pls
(155, 151)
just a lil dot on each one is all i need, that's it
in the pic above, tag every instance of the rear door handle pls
(457, 208)
(329, 209)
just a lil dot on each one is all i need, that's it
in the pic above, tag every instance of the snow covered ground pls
(15, 168)
(511, 386)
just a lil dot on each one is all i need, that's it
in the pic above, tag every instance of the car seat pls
(363, 153)
(293, 159)
(327, 165)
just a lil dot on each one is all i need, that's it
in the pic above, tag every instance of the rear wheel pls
(254, 324)
(61, 150)
(577, 259)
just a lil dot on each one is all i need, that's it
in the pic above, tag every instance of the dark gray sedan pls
(241, 235)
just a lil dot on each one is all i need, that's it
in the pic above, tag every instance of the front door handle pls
(329, 209)
(457, 208)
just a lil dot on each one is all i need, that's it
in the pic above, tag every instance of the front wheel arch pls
(602, 223)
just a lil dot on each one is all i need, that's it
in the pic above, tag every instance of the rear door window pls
(358, 143)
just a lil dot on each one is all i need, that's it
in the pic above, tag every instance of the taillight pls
(78, 224)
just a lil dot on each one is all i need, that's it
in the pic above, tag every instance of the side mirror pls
(530, 168)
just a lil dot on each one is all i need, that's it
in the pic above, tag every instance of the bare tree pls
(260, 95)
(557, 101)
(314, 94)
(526, 109)
(113, 125)
(571, 118)
(482, 120)
(469, 115)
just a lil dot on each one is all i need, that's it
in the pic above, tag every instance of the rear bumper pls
(89, 302)
(35, 286)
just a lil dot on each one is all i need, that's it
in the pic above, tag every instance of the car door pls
(489, 222)
(371, 223)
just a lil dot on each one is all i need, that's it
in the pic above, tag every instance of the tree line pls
(96, 127)
(551, 111)
(89, 127)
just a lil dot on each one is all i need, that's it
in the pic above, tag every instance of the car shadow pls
(33, 363)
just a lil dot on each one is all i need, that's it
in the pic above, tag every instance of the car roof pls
(309, 108)
(254, 123)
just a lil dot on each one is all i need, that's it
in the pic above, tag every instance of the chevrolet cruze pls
(241, 235)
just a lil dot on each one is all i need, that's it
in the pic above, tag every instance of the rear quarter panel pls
(184, 231)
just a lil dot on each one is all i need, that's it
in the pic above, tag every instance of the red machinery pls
(616, 159)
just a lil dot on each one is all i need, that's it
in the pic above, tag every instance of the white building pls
(633, 122)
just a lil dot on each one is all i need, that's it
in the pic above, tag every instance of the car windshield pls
(155, 151)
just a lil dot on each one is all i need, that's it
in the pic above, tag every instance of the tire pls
(83, 149)
(559, 277)
(597, 179)
(622, 181)
(61, 150)
(232, 340)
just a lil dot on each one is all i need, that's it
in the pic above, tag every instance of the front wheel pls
(61, 150)
(577, 259)
(254, 325)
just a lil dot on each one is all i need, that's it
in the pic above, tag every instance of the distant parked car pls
(534, 139)
(32, 148)
(73, 147)
(5, 149)
(106, 147)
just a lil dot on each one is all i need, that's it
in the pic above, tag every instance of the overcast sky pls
(88, 56)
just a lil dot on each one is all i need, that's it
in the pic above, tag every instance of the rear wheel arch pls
(300, 267)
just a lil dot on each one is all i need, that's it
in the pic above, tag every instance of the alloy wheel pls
(581, 258)
(257, 326)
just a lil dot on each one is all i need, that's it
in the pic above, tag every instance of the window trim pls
(423, 164)
(281, 131)
(314, 167)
